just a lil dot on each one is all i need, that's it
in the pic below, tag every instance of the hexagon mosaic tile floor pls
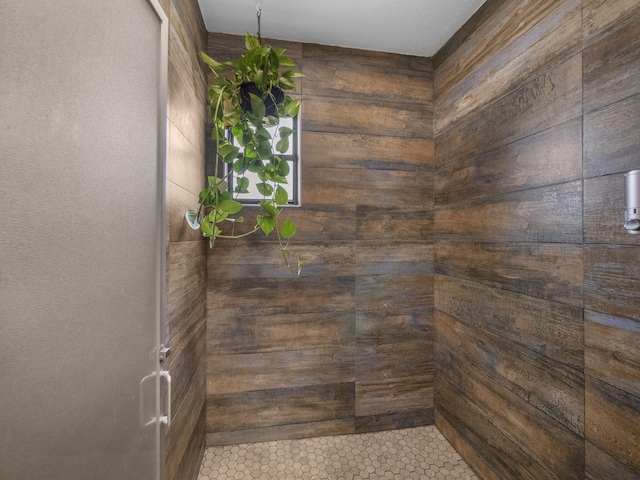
(415, 453)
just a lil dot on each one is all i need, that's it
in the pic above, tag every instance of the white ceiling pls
(411, 27)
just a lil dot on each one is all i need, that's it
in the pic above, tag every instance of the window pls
(292, 156)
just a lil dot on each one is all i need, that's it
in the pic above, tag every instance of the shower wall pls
(186, 260)
(537, 114)
(347, 347)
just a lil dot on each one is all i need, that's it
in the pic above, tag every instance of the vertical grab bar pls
(166, 419)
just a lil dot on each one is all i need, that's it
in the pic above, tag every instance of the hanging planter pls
(249, 103)
(272, 98)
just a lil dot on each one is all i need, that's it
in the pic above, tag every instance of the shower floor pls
(414, 453)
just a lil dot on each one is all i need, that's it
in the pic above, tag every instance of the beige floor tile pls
(414, 453)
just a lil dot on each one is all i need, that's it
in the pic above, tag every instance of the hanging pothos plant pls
(248, 98)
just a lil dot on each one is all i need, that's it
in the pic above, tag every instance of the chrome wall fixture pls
(632, 196)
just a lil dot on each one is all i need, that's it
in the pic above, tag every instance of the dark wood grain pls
(546, 214)
(611, 279)
(520, 441)
(517, 43)
(555, 389)
(612, 350)
(367, 116)
(602, 17)
(550, 99)
(549, 271)
(611, 139)
(610, 66)
(481, 15)
(229, 374)
(613, 422)
(342, 426)
(552, 329)
(551, 450)
(342, 150)
(604, 203)
(273, 407)
(551, 156)
(599, 465)
(394, 223)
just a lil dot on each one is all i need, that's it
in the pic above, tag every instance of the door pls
(82, 155)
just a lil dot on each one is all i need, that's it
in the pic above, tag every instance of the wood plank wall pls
(347, 347)
(537, 116)
(186, 252)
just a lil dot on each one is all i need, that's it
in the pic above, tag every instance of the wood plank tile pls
(303, 295)
(342, 426)
(388, 361)
(393, 188)
(546, 214)
(391, 223)
(475, 461)
(390, 327)
(613, 422)
(184, 423)
(604, 203)
(600, 465)
(602, 17)
(499, 452)
(551, 99)
(549, 271)
(611, 279)
(547, 328)
(324, 222)
(269, 408)
(555, 389)
(184, 365)
(192, 455)
(370, 117)
(394, 421)
(505, 52)
(232, 334)
(612, 350)
(322, 53)
(348, 79)
(617, 150)
(185, 164)
(553, 451)
(348, 150)
(229, 374)
(393, 395)
(549, 157)
(392, 292)
(259, 258)
(611, 66)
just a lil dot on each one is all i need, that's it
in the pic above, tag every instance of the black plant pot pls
(276, 96)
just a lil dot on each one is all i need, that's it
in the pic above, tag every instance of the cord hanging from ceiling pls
(258, 14)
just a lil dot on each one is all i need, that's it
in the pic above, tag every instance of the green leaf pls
(257, 107)
(228, 152)
(215, 66)
(264, 150)
(288, 229)
(269, 208)
(291, 109)
(286, 61)
(283, 145)
(251, 42)
(230, 206)
(264, 189)
(282, 197)
(220, 184)
(267, 223)
(286, 132)
(283, 169)
(242, 185)
(287, 84)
